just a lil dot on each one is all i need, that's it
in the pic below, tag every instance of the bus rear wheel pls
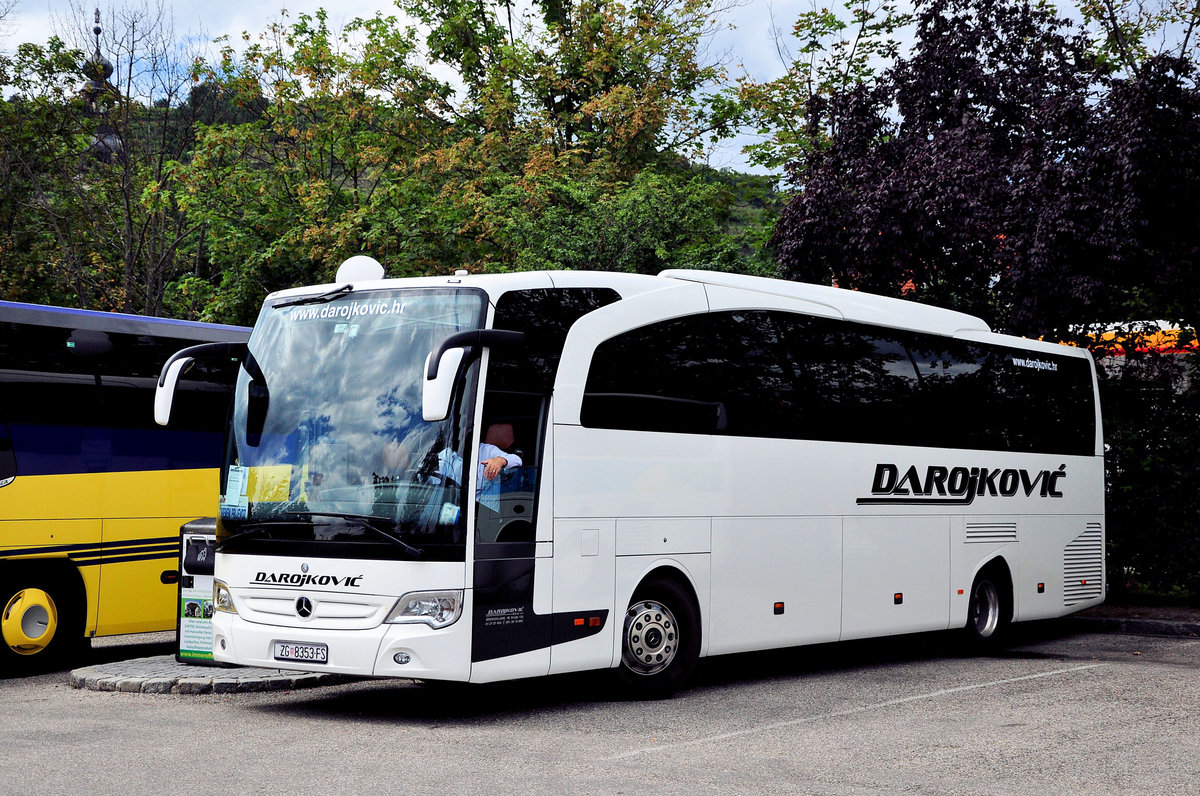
(660, 640)
(39, 624)
(988, 613)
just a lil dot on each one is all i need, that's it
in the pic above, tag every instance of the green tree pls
(45, 240)
(329, 165)
(834, 53)
(557, 122)
(194, 188)
(1131, 32)
(91, 189)
(615, 86)
(697, 218)
(564, 109)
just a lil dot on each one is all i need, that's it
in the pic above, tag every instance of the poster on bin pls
(195, 600)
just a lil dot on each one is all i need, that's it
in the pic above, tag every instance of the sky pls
(745, 39)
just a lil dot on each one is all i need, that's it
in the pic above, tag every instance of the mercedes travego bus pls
(477, 478)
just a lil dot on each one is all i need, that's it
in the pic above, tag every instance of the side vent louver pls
(991, 532)
(1083, 566)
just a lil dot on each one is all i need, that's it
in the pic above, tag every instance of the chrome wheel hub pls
(650, 637)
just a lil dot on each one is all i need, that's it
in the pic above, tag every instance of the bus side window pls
(661, 377)
(716, 373)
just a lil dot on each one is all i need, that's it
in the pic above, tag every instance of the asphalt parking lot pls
(1060, 712)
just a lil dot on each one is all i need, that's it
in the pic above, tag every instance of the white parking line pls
(850, 711)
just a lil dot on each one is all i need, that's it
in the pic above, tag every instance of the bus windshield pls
(327, 452)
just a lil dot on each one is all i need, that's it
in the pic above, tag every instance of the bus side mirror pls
(442, 364)
(168, 380)
(436, 391)
(164, 394)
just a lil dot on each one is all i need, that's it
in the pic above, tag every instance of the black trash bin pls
(193, 627)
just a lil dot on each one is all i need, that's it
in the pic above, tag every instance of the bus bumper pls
(401, 650)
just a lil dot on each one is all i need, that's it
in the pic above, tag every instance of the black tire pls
(660, 640)
(989, 611)
(41, 622)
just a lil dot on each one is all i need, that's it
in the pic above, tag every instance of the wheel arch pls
(694, 583)
(664, 571)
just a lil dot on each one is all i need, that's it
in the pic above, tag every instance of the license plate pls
(299, 651)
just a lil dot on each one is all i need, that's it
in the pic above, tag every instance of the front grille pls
(327, 610)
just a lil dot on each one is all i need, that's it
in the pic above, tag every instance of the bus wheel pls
(660, 641)
(987, 614)
(37, 625)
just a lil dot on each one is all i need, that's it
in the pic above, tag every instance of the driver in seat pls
(493, 460)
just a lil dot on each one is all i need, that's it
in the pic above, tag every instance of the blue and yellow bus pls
(92, 492)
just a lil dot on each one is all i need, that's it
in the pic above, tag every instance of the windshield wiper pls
(259, 527)
(318, 299)
(367, 522)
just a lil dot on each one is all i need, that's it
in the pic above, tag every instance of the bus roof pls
(93, 320)
(850, 305)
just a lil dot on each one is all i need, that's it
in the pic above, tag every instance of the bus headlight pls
(222, 599)
(434, 608)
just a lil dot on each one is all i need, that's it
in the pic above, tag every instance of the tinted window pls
(722, 373)
(774, 374)
(860, 384)
(82, 400)
(59, 376)
(545, 316)
(1010, 399)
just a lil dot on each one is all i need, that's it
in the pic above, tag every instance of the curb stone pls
(192, 685)
(164, 675)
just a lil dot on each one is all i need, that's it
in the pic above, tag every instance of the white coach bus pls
(657, 468)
